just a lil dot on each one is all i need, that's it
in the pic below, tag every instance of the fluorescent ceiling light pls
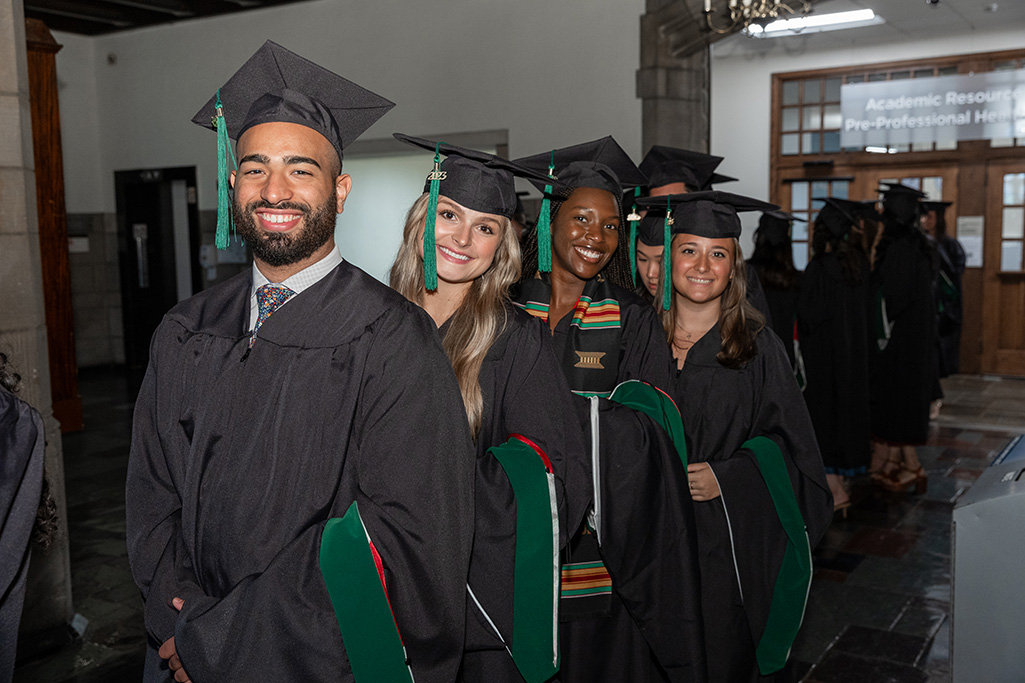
(815, 23)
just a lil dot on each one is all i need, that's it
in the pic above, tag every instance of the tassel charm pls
(430, 254)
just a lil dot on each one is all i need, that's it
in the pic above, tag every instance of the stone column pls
(48, 608)
(673, 81)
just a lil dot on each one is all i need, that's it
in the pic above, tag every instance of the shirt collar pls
(305, 278)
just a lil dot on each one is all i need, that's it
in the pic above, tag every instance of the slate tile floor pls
(878, 612)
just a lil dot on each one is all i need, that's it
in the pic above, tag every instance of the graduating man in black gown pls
(299, 492)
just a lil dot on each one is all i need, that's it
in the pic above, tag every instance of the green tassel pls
(667, 277)
(544, 225)
(430, 256)
(224, 150)
(634, 219)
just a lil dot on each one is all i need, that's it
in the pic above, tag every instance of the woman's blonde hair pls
(739, 321)
(480, 318)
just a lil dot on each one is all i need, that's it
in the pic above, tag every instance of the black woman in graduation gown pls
(629, 608)
(903, 365)
(833, 320)
(512, 390)
(303, 481)
(756, 477)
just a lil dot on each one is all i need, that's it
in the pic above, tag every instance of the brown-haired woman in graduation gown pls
(761, 500)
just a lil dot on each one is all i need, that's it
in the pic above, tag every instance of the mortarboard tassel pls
(430, 255)
(544, 225)
(667, 276)
(224, 208)
(634, 217)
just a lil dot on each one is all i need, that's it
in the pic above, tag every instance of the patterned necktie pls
(269, 297)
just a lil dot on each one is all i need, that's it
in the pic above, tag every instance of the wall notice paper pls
(969, 234)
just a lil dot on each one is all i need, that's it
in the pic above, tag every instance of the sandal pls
(905, 478)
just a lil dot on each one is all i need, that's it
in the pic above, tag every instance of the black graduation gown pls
(738, 533)
(952, 267)
(833, 323)
(524, 393)
(756, 295)
(903, 368)
(782, 305)
(236, 467)
(628, 641)
(21, 482)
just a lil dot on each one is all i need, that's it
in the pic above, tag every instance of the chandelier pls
(743, 13)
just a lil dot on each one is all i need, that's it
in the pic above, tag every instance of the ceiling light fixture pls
(816, 23)
(744, 14)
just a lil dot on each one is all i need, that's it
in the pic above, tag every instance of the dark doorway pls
(158, 248)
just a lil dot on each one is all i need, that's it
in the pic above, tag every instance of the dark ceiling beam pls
(85, 11)
(67, 25)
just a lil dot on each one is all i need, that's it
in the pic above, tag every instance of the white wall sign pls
(982, 106)
(969, 234)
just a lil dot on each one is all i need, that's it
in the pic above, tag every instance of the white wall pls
(741, 97)
(551, 72)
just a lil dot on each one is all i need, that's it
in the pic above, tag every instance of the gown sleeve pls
(413, 461)
(758, 537)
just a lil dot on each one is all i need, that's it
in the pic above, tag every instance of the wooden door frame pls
(994, 359)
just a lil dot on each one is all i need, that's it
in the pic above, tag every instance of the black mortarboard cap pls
(866, 208)
(939, 207)
(649, 229)
(601, 164)
(664, 165)
(716, 179)
(477, 180)
(901, 203)
(278, 86)
(712, 214)
(837, 215)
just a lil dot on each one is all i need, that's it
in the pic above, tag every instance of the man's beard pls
(283, 249)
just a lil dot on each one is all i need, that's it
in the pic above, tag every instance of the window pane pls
(948, 144)
(1014, 188)
(921, 146)
(833, 89)
(791, 119)
(1010, 255)
(912, 182)
(789, 144)
(923, 73)
(799, 231)
(876, 77)
(947, 71)
(800, 250)
(856, 79)
(812, 90)
(831, 117)
(933, 188)
(799, 196)
(819, 188)
(812, 118)
(831, 141)
(1005, 66)
(840, 188)
(1014, 223)
(900, 75)
(809, 143)
(790, 92)
(1001, 142)
(799, 214)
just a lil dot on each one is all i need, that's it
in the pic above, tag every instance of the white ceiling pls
(914, 19)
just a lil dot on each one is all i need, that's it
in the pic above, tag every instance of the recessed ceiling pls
(95, 17)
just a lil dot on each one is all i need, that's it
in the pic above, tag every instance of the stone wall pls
(96, 289)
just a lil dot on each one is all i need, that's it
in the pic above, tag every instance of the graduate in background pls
(773, 261)
(512, 390)
(756, 476)
(833, 316)
(630, 607)
(903, 365)
(300, 484)
(951, 270)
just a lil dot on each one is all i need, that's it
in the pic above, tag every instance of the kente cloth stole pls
(591, 359)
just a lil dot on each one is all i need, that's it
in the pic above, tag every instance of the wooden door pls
(1003, 320)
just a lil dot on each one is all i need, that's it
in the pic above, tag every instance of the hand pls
(703, 484)
(167, 651)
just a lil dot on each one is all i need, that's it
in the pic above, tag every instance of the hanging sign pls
(945, 109)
